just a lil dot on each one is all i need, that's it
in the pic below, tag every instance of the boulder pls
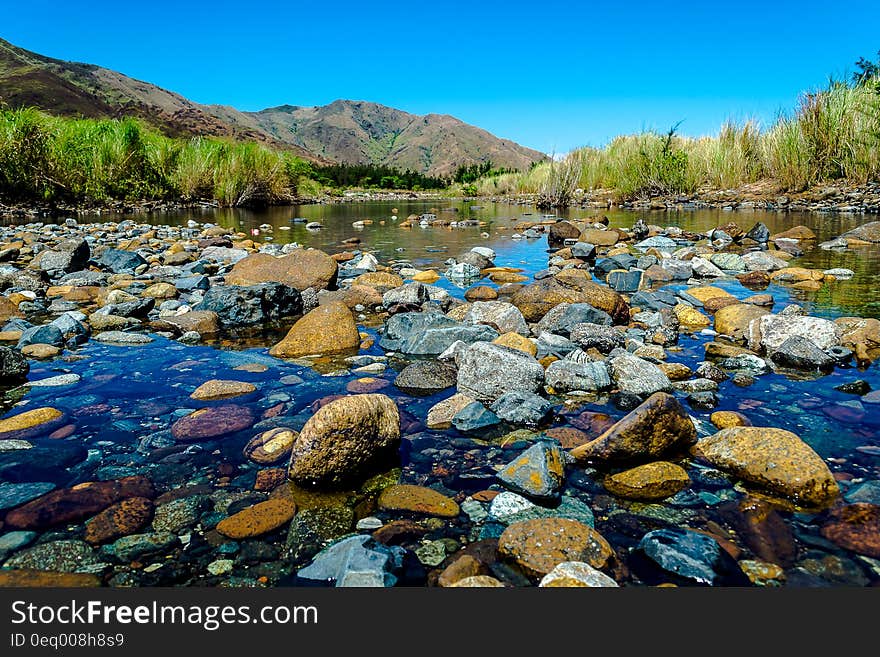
(690, 558)
(425, 378)
(259, 519)
(522, 408)
(802, 353)
(502, 316)
(569, 286)
(324, 330)
(237, 305)
(562, 319)
(538, 546)
(212, 422)
(648, 482)
(768, 332)
(538, 472)
(417, 499)
(14, 367)
(429, 333)
(734, 320)
(637, 376)
(565, 375)
(301, 269)
(486, 371)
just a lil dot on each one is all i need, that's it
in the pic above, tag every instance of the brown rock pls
(207, 423)
(652, 481)
(568, 437)
(754, 280)
(762, 530)
(40, 351)
(31, 423)
(8, 310)
(302, 268)
(271, 446)
(218, 389)
(774, 459)
(481, 293)
(121, 519)
(675, 371)
(656, 426)
(26, 578)
(463, 566)
(478, 581)
(259, 519)
(734, 320)
(72, 504)
(537, 546)
(397, 532)
(381, 279)
(204, 322)
(440, 414)
(795, 233)
(600, 237)
(325, 330)
(417, 499)
(160, 291)
(705, 292)
(270, 478)
(537, 299)
(715, 304)
(723, 350)
(727, 419)
(594, 423)
(352, 296)
(855, 527)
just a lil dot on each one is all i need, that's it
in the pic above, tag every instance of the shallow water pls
(122, 413)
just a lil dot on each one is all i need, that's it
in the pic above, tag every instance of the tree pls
(868, 71)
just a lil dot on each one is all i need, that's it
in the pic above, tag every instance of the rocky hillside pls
(353, 132)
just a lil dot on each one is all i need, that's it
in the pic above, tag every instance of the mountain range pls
(345, 131)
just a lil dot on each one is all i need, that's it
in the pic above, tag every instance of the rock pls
(122, 338)
(802, 353)
(345, 440)
(795, 233)
(562, 319)
(500, 315)
(213, 422)
(728, 419)
(312, 529)
(13, 366)
(65, 556)
(180, 514)
(28, 578)
(462, 567)
(538, 546)
(356, 561)
(271, 446)
(477, 581)
(595, 336)
(486, 371)
(659, 242)
(522, 408)
(414, 293)
(761, 573)
(259, 519)
(658, 425)
(537, 473)
(417, 499)
(300, 269)
(639, 377)
(481, 293)
(34, 422)
(869, 232)
(770, 331)
(599, 237)
(561, 231)
(380, 279)
(652, 481)
(691, 558)
(138, 546)
(441, 414)
(119, 261)
(325, 330)
(855, 527)
(734, 320)
(68, 256)
(425, 378)
(430, 333)
(46, 334)
(773, 459)
(218, 389)
(689, 316)
(564, 376)
(868, 491)
(13, 494)
(621, 280)
(474, 417)
(569, 286)
(576, 574)
(121, 519)
(236, 305)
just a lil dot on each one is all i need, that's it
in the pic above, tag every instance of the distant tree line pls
(374, 176)
(468, 173)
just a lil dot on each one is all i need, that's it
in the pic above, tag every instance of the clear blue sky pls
(550, 75)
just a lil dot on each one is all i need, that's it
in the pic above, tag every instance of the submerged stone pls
(537, 473)
(691, 557)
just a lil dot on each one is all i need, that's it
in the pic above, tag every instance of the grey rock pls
(658, 242)
(680, 270)
(46, 334)
(120, 262)
(122, 338)
(691, 556)
(486, 371)
(802, 353)
(65, 556)
(356, 561)
(583, 250)
(761, 261)
(550, 344)
(500, 315)
(13, 495)
(13, 366)
(705, 268)
(522, 408)
(414, 293)
(732, 262)
(180, 514)
(603, 338)
(563, 317)
(474, 417)
(770, 331)
(13, 541)
(238, 305)
(536, 473)
(565, 376)
(637, 376)
(137, 546)
(624, 281)
(426, 378)
(867, 491)
(312, 529)
(429, 333)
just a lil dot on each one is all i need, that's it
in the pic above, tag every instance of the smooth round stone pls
(692, 556)
(576, 574)
(417, 499)
(30, 423)
(256, 368)
(121, 519)
(727, 419)
(219, 389)
(855, 527)
(259, 519)
(55, 381)
(538, 546)
(366, 385)
(40, 351)
(652, 481)
(212, 422)
(122, 338)
(370, 523)
(271, 446)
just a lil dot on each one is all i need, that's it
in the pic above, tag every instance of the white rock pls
(507, 504)
(578, 571)
(770, 331)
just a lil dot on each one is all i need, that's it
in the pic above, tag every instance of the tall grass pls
(833, 134)
(44, 158)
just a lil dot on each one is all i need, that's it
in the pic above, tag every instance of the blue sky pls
(550, 75)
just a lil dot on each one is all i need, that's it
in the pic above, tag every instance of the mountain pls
(357, 132)
(353, 132)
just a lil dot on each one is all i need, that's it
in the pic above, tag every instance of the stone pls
(637, 376)
(126, 517)
(474, 417)
(312, 529)
(119, 261)
(795, 233)
(259, 519)
(565, 376)
(652, 481)
(15, 494)
(430, 333)
(213, 422)
(425, 378)
(522, 408)
(869, 232)
(160, 291)
(772, 459)
(734, 320)
(761, 573)
(562, 319)
(178, 515)
(538, 546)
(595, 336)
(518, 342)
(569, 286)
(65, 556)
(570, 574)
(325, 330)
(237, 305)
(440, 415)
(122, 338)
(729, 262)
(599, 237)
(481, 293)
(272, 446)
(689, 316)
(537, 473)
(380, 279)
(868, 491)
(477, 581)
(356, 561)
(414, 294)
(502, 316)
(660, 424)
(14, 366)
(345, 440)
(486, 371)
(46, 334)
(705, 292)
(728, 419)
(300, 269)
(463, 566)
(855, 527)
(621, 280)
(770, 331)
(561, 231)
(138, 546)
(691, 558)
(219, 389)
(417, 499)
(31, 423)
(802, 353)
